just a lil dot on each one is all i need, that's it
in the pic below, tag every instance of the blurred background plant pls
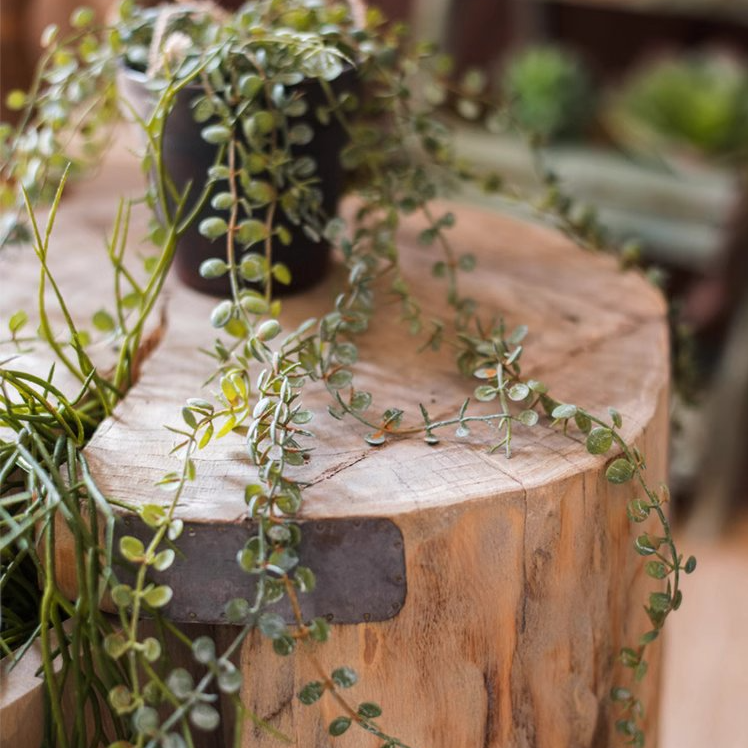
(549, 91)
(693, 103)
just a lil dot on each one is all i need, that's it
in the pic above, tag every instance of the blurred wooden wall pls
(21, 26)
(15, 62)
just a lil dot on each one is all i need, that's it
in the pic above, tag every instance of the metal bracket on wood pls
(359, 564)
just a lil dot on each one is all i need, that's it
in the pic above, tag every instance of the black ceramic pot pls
(187, 158)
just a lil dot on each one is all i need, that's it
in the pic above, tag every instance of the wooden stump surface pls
(521, 581)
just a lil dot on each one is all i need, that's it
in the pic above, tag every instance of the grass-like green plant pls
(242, 71)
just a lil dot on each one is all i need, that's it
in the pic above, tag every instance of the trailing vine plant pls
(246, 68)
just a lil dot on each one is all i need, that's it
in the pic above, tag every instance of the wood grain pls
(522, 584)
(22, 701)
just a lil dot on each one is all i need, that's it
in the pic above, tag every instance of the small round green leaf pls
(485, 393)
(213, 268)
(151, 649)
(131, 548)
(237, 610)
(250, 85)
(253, 304)
(344, 677)
(660, 601)
(615, 416)
(638, 510)
(584, 424)
(159, 596)
(284, 645)
(16, 100)
(164, 559)
(302, 416)
(81, 17)
(145, 720)
(528, 417)
(153, 514)
(319, 630)
(260, 192)
(263, 122)
(599, 440)
(176, 526)
(246, 558)
(180, 683)
(311, 692)
(213, 228)
(339, 725)
(339, 379)
(518, 334)
(251, 231)
(620, 694)
(656, 569)
(537, 387)
(222, 201)
(230, 680)
(17, 321)
(620, 471)
(202, 110)
(204, 650)
(305, 579)
(360, 400)
(518, 391)
(221, 314)
(281, 273)
(369, 710)
(120, 698)
(564, 411)
(252, 268)
(122, 595)
(466, 262)
(216, 134)
(115, 645)
(272, 625)
(204, 717)
(49, 34)
(172, 740)
(645, 546)
(103, 321)
(284, 559)
(301, 134)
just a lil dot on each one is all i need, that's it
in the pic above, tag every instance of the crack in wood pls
(336, 469)
(591, 346)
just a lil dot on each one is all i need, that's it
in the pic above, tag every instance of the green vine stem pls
(503, 382)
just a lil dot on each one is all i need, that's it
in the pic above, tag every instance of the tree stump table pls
(482, 600)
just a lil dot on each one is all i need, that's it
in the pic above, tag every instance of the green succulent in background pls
(549, 91)
(699, 103)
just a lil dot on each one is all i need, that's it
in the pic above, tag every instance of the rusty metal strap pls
(359, 564)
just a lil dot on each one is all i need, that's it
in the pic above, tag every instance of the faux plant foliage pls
(244, 72)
